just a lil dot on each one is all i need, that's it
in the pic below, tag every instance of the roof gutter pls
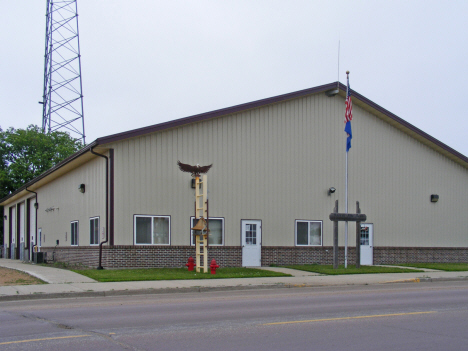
(107, 207)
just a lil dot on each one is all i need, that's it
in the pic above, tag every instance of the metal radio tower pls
(62, 99)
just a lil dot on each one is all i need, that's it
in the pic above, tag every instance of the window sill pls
(149, 244)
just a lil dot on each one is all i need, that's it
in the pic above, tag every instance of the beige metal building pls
(274, 161)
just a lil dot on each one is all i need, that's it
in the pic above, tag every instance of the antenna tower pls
(62, 98)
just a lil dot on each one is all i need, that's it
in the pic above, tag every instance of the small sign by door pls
(251, 243)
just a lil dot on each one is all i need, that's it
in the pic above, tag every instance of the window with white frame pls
(74, 233)
(216, 226)
(152, 230)
(308, 233)
(94, 231)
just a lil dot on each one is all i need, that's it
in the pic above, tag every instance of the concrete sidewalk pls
(64, 283)
(48, 274)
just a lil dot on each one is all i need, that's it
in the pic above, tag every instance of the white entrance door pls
(251, 243)
(39, 239)
(21, 222)
(13, 226)
(32, 228)
(21, 232)
(367, 244)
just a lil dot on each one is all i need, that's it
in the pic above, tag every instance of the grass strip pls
(14, 277)
(328, 269)
(125, 275)
(449, 267)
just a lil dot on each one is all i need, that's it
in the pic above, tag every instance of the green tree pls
(27, 153)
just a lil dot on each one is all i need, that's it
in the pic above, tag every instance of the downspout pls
(107, 207)
(36, 206)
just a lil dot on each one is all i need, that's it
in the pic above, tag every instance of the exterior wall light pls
(192, 183)
(81, 188)
(331, 191)
(36, 205)
(332, 92)
(434, 198)
(5, 216)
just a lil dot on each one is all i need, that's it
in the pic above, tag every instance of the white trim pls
(90, 219)
(22, 221)
(308, 236)
(251, 253)
(13, 224)
(77, 233)
(210, 218)
(367, 251)
(152, 223)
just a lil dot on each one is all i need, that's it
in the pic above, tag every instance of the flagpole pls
(346, 211)
(346, 178)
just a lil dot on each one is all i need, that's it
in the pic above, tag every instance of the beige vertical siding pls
(276, 163)
(400, 175)
(71, 205)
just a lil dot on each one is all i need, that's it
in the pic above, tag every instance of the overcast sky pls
(147, 61)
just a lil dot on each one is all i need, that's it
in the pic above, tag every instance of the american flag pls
(348, 117)
(349, 105)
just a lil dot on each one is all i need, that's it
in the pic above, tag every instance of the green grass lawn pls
(123, 275)
(449, 267)
(328, 269)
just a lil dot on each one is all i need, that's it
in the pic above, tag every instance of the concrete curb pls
(448, 279)
(200, 289)
(149, 291)
(426, 280)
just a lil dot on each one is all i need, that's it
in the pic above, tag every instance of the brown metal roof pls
(50, 171)
(405, 126)
(272, 100)
(357, 98)
(213, 114)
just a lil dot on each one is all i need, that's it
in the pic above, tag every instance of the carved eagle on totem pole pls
(194, 170)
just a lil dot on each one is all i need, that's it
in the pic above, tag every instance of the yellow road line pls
(342, 318)
(412, 280)
(56, 338)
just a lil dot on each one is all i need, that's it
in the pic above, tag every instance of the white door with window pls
(32, 228)
(367, 244)
(21, 222)
(13, 226)
(251, 243)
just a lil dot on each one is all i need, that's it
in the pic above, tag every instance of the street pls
(409, 316)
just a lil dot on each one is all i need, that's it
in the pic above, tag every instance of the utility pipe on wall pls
(107, 207)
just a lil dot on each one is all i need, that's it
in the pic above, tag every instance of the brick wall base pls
(141, 256)
(231, 256)
(395, 255)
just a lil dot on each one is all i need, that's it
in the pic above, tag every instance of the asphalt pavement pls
(65, 283)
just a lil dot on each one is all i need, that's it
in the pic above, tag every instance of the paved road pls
(64, 283)
(424, 316)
